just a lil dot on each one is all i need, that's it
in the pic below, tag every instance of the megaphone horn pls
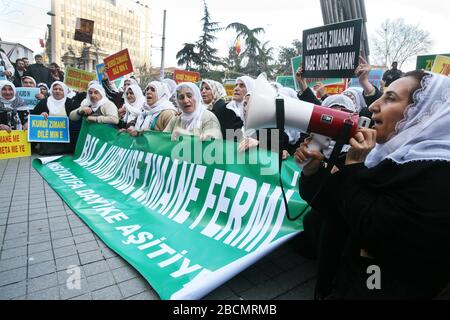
(305, 116)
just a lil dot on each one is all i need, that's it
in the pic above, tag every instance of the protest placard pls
(441, 65)
(286, 81)
(375, 76)
(186, 76)
(29, 96)
(100, 69)
(14, 144)
(84, 30)
(426, 62)
(332, 51)
(53, 129)
(118, 64)
(78, 79)
(2, 70)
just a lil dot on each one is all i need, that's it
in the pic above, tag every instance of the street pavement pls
(42, 239)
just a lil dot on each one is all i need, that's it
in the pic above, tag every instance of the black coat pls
(227, 118)
(39, 73)
(400, 215)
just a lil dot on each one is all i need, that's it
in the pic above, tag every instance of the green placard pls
(426, 62)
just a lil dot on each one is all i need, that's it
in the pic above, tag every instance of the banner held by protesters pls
(186, 226)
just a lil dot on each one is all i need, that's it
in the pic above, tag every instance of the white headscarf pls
(7, 83)
(423, 134)
(237, 107)
(56, 106)
(340, 100)
(7, 105)
(133, 109)
(122, 83)
(171, 85)
(357, 96)
(217, 90)
(347, 103)
(150, 112)
(189, 120)
(102, 101)
(32, 79)
(293, 133)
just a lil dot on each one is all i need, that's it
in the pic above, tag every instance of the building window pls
(62, 20)
(62, 33)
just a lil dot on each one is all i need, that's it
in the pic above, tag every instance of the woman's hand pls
(361, 144)
(178, 132)
(45, 115)
(303, 153)
(134, 133)
(5, 127)
(247, 143)
(40, 96)
(300, 80)
(122, 112)
(91, 119)
(87, 111)
(285, 155)
(320, 89)
(362, 72)
(25, 126)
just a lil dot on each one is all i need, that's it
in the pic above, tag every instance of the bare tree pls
(397, 41)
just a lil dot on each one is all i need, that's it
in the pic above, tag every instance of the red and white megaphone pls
(305, 116)
(326, 124)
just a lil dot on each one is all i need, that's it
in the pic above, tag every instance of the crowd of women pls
(385, 201)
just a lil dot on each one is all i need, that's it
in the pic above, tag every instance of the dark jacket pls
(391, 75)
(18, 78)
(399, 214)
(40, 73)
(227, 118)
(112, 95)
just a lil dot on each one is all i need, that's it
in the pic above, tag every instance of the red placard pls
(118, 65)
(185, 76)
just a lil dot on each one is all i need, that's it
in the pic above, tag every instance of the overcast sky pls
(24, 21)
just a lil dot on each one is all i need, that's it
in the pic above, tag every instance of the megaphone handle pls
(313, 145)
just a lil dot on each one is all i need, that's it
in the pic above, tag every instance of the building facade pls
(118, 24)
(16, 50)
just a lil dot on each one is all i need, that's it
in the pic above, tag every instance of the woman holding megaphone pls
(389, 198)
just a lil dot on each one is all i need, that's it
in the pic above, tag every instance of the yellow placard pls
(78, 79)
(14, 144)
(441, 65)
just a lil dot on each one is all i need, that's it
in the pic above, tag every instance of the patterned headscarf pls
(218, 92)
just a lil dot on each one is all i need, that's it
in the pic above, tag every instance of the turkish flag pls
(41, 42)
(238, 46)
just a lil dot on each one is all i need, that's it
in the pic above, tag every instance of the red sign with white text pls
(118, 65)
(185, 76)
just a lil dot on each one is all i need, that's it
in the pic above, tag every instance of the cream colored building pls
(118, 24)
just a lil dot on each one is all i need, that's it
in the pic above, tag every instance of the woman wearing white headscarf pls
(243, 85)
(392, 195)
(100, 109)
(157, 111)
(213, 95)
(132, 108)
(194, 119)
(9, 103)
(57, 105)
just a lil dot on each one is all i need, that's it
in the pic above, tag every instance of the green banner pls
(188, 215)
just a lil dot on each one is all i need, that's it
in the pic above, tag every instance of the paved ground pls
(40, 237)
